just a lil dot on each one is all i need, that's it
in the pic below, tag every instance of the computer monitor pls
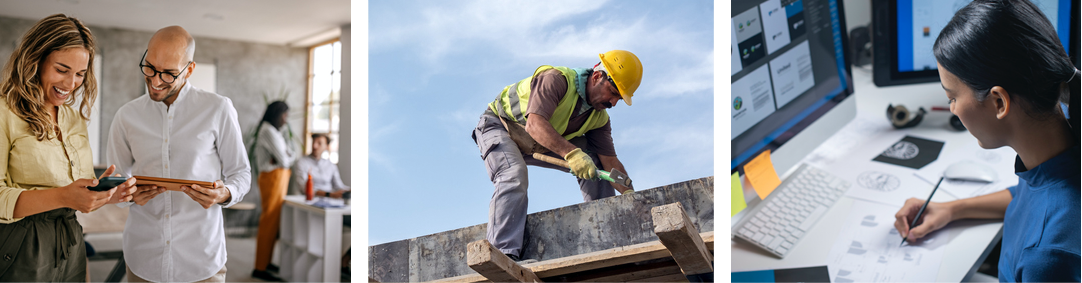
(791, 81)
(905, 30)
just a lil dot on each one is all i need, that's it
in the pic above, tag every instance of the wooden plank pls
(590, 261)
(496, 266)
(676, 232)
(665, 278)
(653, 272)
(562, 232)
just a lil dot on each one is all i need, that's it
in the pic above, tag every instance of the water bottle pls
(308, 188)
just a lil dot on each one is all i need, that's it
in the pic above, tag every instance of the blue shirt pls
(1041, 233)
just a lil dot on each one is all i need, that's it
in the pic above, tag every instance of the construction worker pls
(563, 113)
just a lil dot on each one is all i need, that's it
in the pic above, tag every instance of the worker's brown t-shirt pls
(546, 91)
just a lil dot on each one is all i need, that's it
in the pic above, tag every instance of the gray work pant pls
(506, 167)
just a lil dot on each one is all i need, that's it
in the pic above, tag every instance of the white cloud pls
(677, 60)
(695, 77)
(442, 28)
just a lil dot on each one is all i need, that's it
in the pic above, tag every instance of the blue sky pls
(434, 65)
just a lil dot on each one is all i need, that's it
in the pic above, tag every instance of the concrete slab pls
(582, 228)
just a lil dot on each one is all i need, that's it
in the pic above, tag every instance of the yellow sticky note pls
(760, 173)
(738, 203)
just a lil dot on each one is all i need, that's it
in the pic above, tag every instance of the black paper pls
(912, 152)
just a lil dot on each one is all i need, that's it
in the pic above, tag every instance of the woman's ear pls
(1000, 100)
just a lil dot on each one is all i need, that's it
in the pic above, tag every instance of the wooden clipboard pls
(169, 184)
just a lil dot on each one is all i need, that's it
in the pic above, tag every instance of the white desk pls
(311, 241)
(964, 252)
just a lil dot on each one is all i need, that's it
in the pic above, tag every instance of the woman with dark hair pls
(47, 165)
(1006, 75)
(274, 154)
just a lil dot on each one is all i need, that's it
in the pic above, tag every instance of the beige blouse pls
(29, 164)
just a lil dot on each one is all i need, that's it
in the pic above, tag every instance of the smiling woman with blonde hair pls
(47, 166)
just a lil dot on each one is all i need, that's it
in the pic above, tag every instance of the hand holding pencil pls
(935, 216)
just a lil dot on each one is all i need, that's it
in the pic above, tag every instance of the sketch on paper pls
(902, 150)
(868, 250)
(878, 181)
(869, 221)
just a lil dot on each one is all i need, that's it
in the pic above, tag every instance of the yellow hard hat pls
(625, 70)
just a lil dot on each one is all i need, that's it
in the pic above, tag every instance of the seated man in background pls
(326, 182)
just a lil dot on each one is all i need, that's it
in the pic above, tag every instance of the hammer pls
(614, 175)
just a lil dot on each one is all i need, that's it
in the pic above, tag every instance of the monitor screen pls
(919, 23)
(788, 69)
(906, 30)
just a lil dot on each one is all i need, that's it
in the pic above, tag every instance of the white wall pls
(206, 78)
(93, 127)
(345, 139)
(857, 13)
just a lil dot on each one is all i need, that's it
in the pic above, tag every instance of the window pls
(324, 85)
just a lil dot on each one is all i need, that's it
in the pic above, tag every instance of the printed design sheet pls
(868, 249)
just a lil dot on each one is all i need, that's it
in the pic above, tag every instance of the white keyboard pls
(779, 222)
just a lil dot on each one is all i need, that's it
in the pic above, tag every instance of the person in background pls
(274, 155)
(178, 131)
(326, 181)
(47, 166)
(1006, 75)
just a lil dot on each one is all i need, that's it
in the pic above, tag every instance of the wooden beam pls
(488, 261)
(651, 272)
(675, 230)
(593, 260)
(666, 278)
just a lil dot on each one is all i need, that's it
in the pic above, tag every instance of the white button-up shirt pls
(172, 238)
(325, 175)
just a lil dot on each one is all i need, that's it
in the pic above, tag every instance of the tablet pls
(169, 184)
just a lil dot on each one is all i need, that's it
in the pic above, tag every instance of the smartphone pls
(107, 183)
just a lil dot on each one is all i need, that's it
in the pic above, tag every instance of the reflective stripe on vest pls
(514, 99)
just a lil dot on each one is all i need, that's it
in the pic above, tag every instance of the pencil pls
(922, 207)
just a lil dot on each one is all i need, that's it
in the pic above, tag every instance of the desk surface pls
(973, 238)
(298, 201)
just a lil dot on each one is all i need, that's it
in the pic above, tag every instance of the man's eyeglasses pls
(617, 92)
(167, 78)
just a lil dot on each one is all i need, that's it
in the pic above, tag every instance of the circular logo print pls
(878, 181)
(738, 103)
(902, 150)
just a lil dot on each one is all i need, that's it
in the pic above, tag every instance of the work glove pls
(581, 164)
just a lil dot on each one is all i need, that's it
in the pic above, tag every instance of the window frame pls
(309, 92)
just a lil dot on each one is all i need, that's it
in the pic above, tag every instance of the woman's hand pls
(935, 216)
(124, 191)
(78, 197)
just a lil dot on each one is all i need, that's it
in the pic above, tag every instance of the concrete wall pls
(571, 230)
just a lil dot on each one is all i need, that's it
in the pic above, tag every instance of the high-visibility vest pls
(512, 102)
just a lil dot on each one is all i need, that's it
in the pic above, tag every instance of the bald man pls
(177, 131)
